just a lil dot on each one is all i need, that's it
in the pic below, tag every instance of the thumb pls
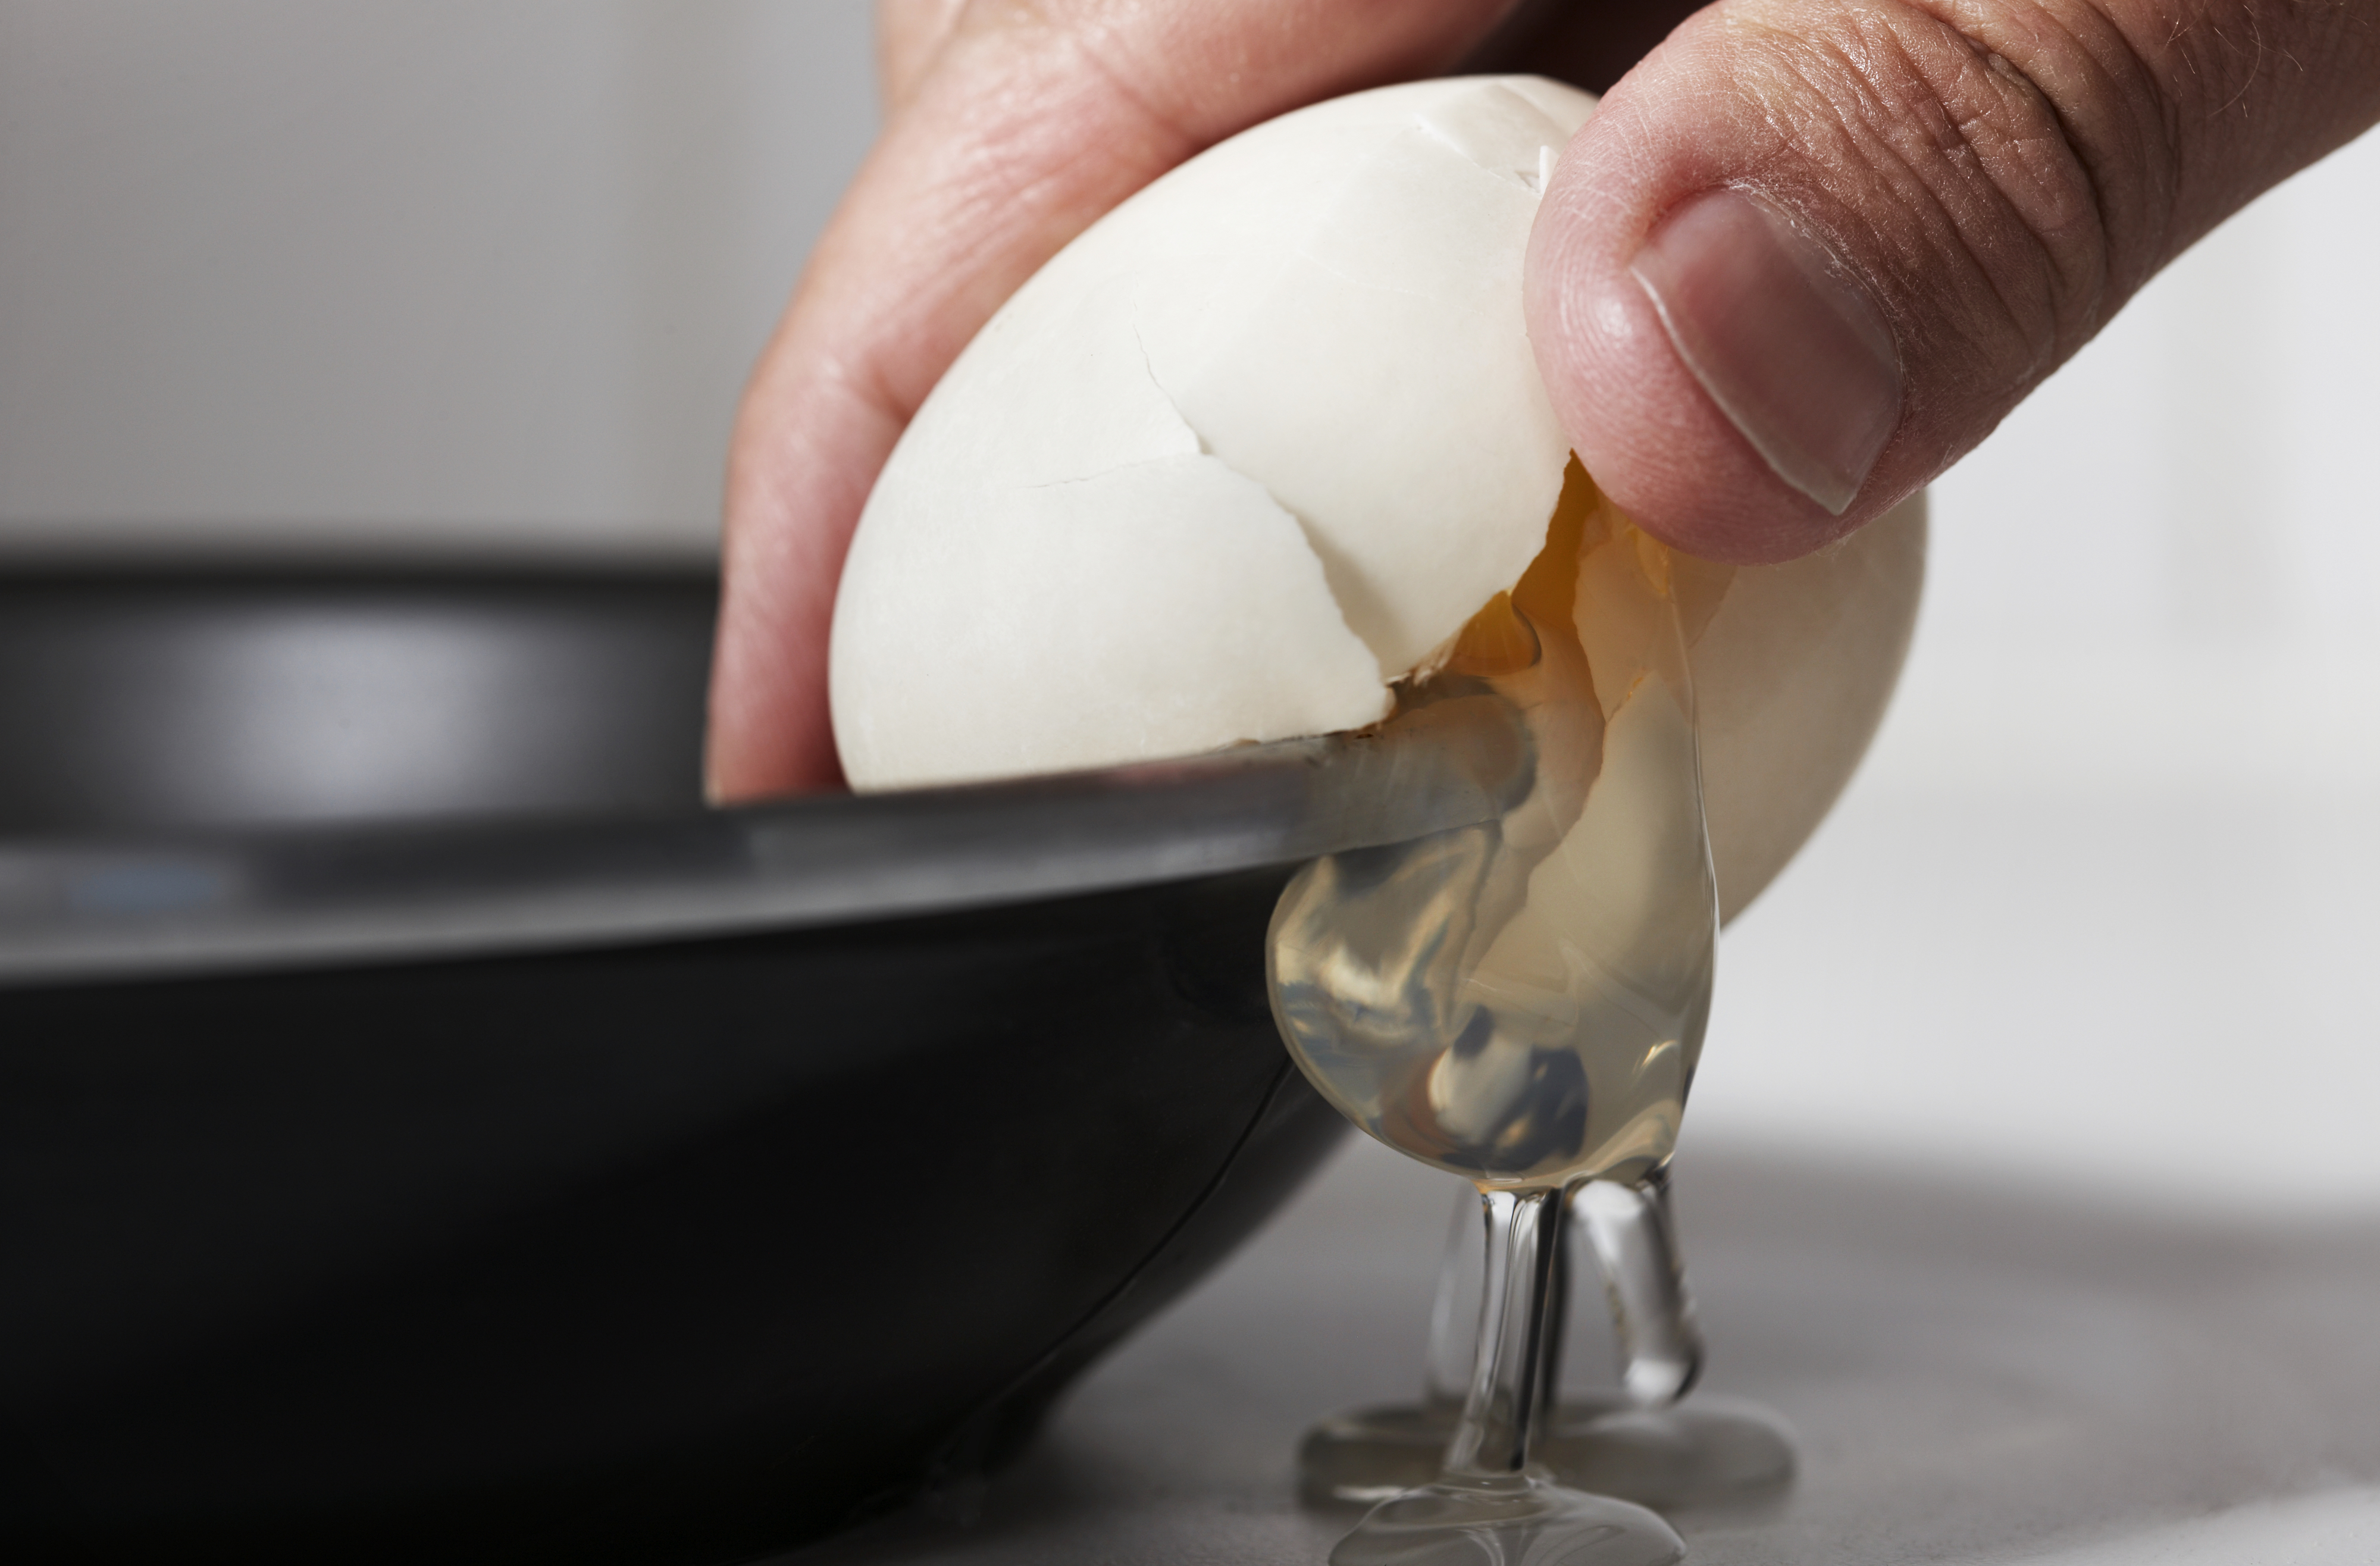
(1807, 254)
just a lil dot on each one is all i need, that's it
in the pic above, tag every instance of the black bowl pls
(426, 1132)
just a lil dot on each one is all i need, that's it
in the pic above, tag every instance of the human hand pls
(1865, 232)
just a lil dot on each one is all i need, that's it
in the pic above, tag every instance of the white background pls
(488, 273)
(2099, 906)
(413, 271)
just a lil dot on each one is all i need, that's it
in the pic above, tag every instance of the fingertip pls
(1639, 417)
(1727, 378)
(769, 731)
(805, 454)
(1780, 335)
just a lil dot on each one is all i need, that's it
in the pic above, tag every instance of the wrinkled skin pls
(1993, 177)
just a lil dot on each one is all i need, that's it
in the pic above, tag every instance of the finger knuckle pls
(1987, 127)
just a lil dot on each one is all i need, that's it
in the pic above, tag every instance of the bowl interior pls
(147, 701)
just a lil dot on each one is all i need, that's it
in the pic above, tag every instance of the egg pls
(1255, 446)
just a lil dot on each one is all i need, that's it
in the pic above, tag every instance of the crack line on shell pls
(1324, 556)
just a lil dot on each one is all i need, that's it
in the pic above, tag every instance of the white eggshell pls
(1260, 441)
(1316, 329)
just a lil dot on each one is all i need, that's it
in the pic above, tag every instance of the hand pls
(1805, 255)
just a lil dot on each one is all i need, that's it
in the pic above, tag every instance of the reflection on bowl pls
(426, 1134)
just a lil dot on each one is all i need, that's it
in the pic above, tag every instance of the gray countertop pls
(1974, 1375)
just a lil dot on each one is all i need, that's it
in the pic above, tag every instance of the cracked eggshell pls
(1256, 443)
(1263, 439)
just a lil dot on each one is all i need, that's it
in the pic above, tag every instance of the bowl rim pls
(135, 906)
